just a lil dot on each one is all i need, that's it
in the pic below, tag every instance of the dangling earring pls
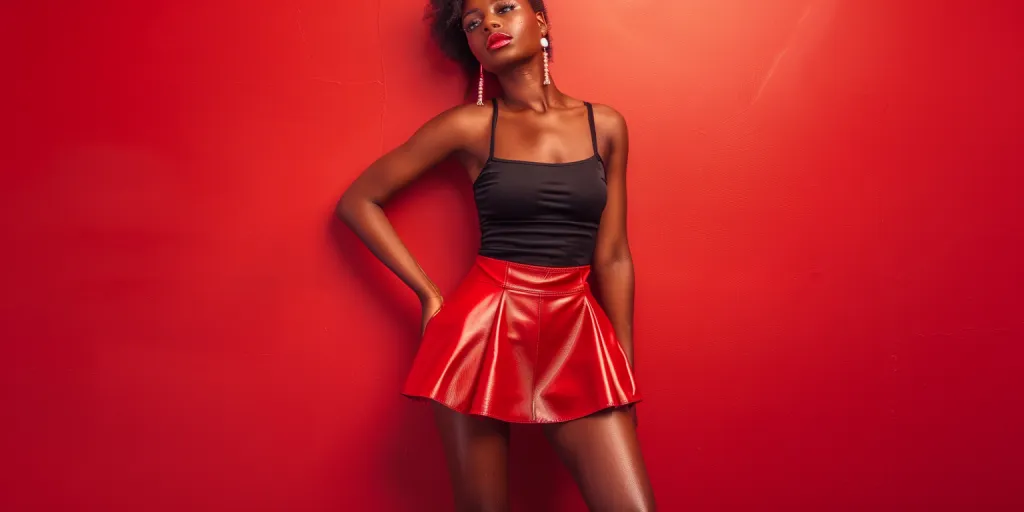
(547, 75)
(480, 88)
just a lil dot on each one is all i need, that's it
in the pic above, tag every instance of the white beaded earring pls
(547, 76)
(480, 88)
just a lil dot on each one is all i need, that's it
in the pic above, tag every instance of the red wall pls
(825, 213)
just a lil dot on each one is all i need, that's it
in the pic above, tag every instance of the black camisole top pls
(544, 214)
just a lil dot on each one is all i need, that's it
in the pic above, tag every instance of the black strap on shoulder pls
(494, 125)
(593, 128)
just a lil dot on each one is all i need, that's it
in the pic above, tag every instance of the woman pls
(522, 339)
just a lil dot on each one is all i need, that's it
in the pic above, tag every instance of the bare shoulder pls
(467, 114)
(611, 128)
(610, 121)
(465, 121)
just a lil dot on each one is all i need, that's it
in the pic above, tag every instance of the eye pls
(502, 8)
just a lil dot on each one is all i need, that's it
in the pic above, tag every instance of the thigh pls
(476, 449)
(603, 455)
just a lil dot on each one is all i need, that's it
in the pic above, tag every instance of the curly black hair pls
(445, 17)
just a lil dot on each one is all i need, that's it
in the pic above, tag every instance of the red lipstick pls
(498, 40)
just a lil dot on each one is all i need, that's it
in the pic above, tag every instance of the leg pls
(603, 455)
(476, 449)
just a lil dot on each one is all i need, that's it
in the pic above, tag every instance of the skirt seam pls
(542, 293)
(504, 282)
(536, 364)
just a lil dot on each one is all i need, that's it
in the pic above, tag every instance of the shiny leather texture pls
(522, 344)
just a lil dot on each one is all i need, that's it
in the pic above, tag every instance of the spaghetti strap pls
(494, 126)
(593, 128)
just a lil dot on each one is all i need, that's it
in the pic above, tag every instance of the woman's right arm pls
(360, 205)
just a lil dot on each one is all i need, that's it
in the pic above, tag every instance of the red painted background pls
(825, 213)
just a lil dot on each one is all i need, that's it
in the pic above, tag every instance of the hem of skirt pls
(520, 420)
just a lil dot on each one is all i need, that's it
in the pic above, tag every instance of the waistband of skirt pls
(532, 278)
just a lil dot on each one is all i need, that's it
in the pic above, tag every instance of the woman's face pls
(502, 32)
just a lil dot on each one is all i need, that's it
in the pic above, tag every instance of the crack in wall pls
(302, 34)
(778, 57)
(382, 81)
(340, 82)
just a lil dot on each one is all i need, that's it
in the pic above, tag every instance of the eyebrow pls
(471, 11)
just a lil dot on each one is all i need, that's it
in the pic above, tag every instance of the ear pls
(543, 23)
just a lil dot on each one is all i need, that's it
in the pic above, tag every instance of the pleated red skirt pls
(522, 344)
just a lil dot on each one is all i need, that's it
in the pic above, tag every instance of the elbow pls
(353, 207)
(348, 207)
(618, 258)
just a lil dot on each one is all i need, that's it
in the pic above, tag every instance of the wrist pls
(627, 348)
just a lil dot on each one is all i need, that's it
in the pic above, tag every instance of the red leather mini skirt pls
(522, 344)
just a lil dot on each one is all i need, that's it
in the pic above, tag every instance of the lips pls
(498, 40)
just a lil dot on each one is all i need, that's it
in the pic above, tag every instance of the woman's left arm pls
(613, 263)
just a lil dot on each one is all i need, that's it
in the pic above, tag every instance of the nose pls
(490, 24)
